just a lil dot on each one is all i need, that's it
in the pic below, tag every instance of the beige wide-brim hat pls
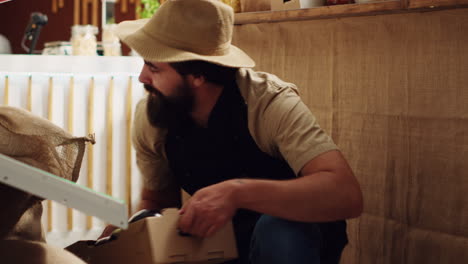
(183, 30)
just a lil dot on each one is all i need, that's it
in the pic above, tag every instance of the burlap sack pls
(39, 143)
(31, 252)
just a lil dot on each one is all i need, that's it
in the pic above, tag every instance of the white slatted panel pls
(67, 226)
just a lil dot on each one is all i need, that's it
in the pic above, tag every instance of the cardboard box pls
(285, 5)
(156, 240)
(295, 4)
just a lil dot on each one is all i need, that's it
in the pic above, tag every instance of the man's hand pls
(209, 209)
(107, 231)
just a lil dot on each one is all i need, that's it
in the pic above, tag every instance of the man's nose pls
(144, 77)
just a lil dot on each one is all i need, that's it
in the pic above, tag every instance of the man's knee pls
(276, 240)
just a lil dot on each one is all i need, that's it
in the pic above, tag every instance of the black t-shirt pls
(202, 156)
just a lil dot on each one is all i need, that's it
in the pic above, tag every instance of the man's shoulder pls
(266, 95)
(256, 84)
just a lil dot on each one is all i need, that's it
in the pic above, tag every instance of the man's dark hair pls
(212, 72)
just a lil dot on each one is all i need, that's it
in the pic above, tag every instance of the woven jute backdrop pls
(392, 92)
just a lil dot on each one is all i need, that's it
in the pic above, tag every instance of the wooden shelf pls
(348, 10)
(316, 12)
(436, 3)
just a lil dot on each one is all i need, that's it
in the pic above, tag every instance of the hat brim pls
(131, 33)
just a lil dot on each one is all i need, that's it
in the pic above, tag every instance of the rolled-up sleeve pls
(294, 130)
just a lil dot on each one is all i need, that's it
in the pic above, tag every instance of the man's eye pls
(152, 69)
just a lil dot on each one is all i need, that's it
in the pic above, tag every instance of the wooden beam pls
(71, 105)
(129, 144)
(29, 100)
(84, 14)
(6, 92)
(90, 167)
(109, 127)
(316, 13)
(95, 13)
(54, 6)
(50, 109)
(349, 10)
(435, 3)
(137, 4)
(76, 12)
(123, 6)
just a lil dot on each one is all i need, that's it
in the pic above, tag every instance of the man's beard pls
(164, 111)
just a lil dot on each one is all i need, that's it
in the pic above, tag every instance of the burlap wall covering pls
(392, 91)
(39, 143)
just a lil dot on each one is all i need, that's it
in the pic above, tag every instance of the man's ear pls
(196, 81)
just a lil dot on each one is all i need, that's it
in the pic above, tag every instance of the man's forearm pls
(150, 205)
(318, 197)
(158, 200)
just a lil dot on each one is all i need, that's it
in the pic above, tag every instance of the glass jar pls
(83, 40)
(76, 39)
(110, 41)
(57, 48)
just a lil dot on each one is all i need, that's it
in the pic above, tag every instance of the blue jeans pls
(280, 241)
